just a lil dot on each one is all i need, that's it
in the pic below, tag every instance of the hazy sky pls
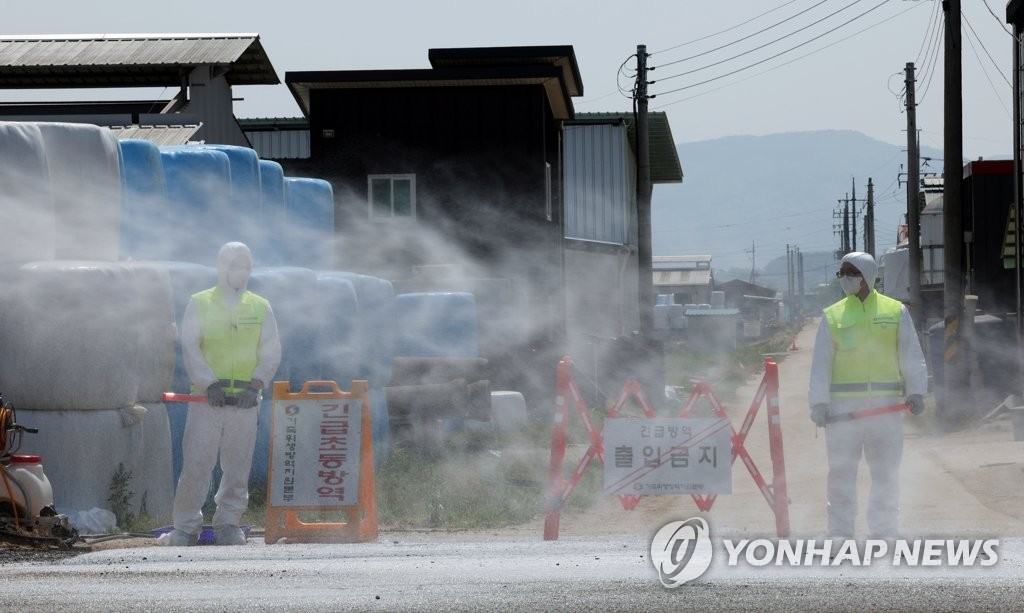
(843, 80)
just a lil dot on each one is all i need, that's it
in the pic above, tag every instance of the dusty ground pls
(969, 483)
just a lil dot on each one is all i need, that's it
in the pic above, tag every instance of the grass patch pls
(418, 487)
(725, 371)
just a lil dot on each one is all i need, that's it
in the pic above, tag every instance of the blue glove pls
(248, 398)
(819, 415)
(916, 403)
(215, 395)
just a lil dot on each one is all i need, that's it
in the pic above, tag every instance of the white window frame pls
(411, 178)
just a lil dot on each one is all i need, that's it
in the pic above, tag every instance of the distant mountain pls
(744, 198)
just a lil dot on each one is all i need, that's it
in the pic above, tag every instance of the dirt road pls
(969, 483)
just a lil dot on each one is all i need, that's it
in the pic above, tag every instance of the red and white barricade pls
(567, 391)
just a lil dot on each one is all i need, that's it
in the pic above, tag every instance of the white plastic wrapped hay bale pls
(153, 304)
(155, 466)
(26, 203)
(69, 334)
(85, 177)
(86, 455)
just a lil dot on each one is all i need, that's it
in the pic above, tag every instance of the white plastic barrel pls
(30, 489)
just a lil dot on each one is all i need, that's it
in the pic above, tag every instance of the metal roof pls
(159, 135)
(129, 60)
(553, 67)
(665, 165)
(695, 260)
(562, 56)
(550, 77)
(676, 278)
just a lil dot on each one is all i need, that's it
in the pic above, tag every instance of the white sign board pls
(667, 456)
(315, 453)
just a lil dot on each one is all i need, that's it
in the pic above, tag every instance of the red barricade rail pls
(560, 488)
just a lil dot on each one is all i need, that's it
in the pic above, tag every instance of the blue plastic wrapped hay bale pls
(186, 279)
(308, 233)
(436, 325)
(272, 188)
(145, 216)
(246, 201)
(199, 192)
(337, 341)
(375, 325)
(292, 292)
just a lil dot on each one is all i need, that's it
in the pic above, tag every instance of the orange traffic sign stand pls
(321, 464)
(567, 391)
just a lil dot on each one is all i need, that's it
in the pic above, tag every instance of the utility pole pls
(955, 361)
(846, 226)
(643, 187)
(753, 262)
(913, 202)
(789, 281)
(869, 221)
(652, 369)
(800, 279)
(853, 206)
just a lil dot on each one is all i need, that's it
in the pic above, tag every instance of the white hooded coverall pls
(228, 430)
(879, 439)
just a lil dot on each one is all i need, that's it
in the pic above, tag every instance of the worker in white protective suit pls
(866, 356)
(231, 350)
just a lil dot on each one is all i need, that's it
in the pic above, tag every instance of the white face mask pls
(237, 279)
(850, 285)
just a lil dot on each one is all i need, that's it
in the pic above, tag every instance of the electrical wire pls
(936, 12)
(985, 49)
(998, 20)
(985, 72)
(722, 76)
(729, 29)
(930, 63)
(761, 31)
(788, 62)
(759, 47)
(927, 57)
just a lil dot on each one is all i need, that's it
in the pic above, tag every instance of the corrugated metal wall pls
(600, 201)
(280, 144)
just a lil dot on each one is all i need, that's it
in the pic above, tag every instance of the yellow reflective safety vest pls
(866, 339)
(230, 339)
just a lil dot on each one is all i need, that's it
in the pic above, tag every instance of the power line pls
(788, 62)
(761, 31)
(685, 87)
(759, 47)
(983, 70)
(729, 29)
(936, 11)
(931, 63)
(994, 63)
(998, 20)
